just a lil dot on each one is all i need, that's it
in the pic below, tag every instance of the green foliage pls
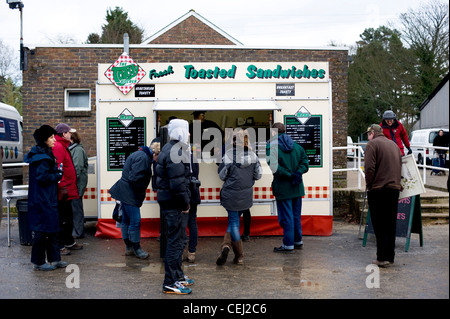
(117, 24)
(397, 70)
(11, 94)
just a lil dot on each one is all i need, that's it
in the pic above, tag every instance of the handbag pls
(117, 212)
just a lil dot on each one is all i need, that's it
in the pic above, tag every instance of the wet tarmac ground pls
(332, 267)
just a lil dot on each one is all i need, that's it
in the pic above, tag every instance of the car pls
(423, 139)
(350, 151)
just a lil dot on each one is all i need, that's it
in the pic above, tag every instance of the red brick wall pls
(191, 31)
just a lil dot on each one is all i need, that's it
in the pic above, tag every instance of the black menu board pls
(308, 135)
(122, 141)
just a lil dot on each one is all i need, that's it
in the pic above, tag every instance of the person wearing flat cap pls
(382, 167)
(67, 188)
(395, 131)
(43, 200)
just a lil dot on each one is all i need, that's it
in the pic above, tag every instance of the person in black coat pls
(130, 190)
(44, 176)
(442, 141)
(173, 178)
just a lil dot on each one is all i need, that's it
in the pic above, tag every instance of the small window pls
(77, 100)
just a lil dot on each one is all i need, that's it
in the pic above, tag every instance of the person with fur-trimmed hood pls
(239, 169)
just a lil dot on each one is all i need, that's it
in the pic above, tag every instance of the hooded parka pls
(43, 190)
(136, 175)
(239, 169)
(285, 157)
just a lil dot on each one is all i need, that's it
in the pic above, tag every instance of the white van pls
(11, 142)
(425, 138)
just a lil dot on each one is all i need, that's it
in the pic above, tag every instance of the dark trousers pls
(78, 217)
(176, 222)
(383, 205)
(247, 219)
(65, 213)
(193, 228)
(45, 243)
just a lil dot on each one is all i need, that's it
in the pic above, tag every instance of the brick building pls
(60, 75)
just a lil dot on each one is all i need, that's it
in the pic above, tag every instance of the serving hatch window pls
(259, 121)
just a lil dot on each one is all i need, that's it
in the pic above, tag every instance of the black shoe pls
(282, 249)
(298, 246)
(245, 237)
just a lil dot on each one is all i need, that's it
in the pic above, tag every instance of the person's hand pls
(296, 178)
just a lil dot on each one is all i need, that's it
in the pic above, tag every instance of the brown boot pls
(225, 249)
(238, 250)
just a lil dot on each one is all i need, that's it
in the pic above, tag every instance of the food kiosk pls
(134, 100)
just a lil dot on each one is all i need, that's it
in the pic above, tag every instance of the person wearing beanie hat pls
(395, 131)
(382, 168)
(173, 178)
(67, 188)
(43, 200)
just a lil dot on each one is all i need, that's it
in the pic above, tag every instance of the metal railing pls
(358, 151)
(423, 151)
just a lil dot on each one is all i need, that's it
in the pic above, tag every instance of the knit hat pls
(389, 115)
(42, 134)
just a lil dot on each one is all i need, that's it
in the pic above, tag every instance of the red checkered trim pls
(213, 193)
(315, 192)
(262, 193)
(90, 193)
(210, 193)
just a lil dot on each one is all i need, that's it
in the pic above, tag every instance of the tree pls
(11, 94)
(380, 79)
(426, 31)
(117, 24)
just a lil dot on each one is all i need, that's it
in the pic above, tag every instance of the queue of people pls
(58, 177)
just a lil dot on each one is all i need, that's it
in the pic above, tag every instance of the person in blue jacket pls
(44, 176)
(130, 190)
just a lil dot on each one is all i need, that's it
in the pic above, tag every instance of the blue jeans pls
(176, 241)
(131, 223)
(289, 217)
(233, 225)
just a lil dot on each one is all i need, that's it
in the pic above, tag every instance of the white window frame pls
(66, 100)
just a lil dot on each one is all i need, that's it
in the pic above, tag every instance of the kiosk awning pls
(213, 105)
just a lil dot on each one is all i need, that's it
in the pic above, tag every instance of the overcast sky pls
(298, 23)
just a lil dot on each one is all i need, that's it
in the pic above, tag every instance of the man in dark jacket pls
(442, 141)
(288, 162)
(382, 167)
(173, 175)
(130, 190)
(43, 200)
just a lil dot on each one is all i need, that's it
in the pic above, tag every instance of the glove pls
(296, 178)
(409, 151)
